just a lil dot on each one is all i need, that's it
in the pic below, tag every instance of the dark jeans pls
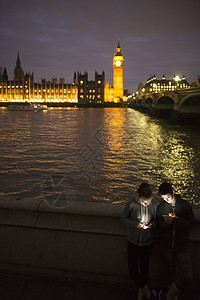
(178, 268)
(138, 263)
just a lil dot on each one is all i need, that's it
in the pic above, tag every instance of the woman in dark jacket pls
(139, 217)
(175, 219)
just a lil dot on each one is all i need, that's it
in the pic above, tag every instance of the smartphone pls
(166, 217)
(145, 227)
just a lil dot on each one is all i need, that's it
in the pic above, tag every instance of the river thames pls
(103, 154)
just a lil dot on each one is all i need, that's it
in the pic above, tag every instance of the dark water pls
(95, 154)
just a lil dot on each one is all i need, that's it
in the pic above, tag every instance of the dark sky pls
(57, 37)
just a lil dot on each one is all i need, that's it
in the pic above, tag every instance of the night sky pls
(57, 37)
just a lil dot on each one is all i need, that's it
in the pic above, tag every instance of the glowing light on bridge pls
(177, 78)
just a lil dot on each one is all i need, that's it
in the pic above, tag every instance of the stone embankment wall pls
(82, 239)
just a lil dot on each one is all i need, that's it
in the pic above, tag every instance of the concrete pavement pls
(18, 287)
(26, 287)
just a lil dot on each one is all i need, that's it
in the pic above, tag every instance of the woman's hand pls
(172, 215)
(168, 219)
(140, 225)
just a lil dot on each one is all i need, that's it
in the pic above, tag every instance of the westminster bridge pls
(183, 101)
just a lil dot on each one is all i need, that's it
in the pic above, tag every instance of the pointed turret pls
(118, 50)
(118, 45)
(5, 75)
(18, 72)
(18, 63)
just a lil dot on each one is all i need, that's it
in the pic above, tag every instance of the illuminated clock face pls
(118, 63)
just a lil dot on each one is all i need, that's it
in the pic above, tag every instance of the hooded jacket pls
(175, 236)
(134, 212)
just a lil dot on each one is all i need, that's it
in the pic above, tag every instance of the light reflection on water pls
(108, 152)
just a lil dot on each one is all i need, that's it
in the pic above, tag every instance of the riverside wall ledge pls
(81, 239)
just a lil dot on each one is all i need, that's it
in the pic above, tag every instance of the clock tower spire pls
(118, 66)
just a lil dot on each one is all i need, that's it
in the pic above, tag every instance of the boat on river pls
(30, 107)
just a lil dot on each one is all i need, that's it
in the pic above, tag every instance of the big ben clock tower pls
(118, 66)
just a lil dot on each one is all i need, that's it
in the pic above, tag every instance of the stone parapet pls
(81, 238)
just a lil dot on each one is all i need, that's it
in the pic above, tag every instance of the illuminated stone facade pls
(23, 88)
(91, 91)
(108, 93)
(118, 67)
(153, 85)
(45, 92)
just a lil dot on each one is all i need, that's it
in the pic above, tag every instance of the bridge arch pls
(190, 104)
(149, 100)
(165, 103)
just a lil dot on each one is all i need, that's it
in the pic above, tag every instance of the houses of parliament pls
(23, 88)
